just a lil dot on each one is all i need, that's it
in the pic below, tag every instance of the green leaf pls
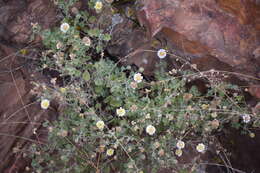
(94, 32)
(98, 82)
(106, 37)
(92, 19)
(86, 76)
(115, 102)
(99, 48)
(99, 89)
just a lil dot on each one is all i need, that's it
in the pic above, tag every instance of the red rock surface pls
(225, 30)
(255, 91)
(228, 29)
(20, 113)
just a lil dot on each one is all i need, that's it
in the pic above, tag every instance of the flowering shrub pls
(113, 119)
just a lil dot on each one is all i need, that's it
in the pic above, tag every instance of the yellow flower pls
(214, 115)
(205, 106)
(180, 144)
(161, 53)
(45, 103)
(63, 90)
(138, 77)
(98, 5)
(23, 51)
(200, 147)
(120, 112)
(64, 27)
(178, 152)
(173, 71)
(100, 124)
(150, 129)
(110, 152)
(81, 115)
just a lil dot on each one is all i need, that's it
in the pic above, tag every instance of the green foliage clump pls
(106, 110)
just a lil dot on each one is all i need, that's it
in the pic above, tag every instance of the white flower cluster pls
(64, 27)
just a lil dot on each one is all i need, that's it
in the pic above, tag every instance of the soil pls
(244, 149)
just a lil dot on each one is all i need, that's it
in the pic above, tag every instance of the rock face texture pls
(225, 30)
(20, 114)
(213, 34)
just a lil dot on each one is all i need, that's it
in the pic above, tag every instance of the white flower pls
(135, 128)
(214, 114)
(150, 129)
(178, 152)
(45, 103)
(252, 135)
(120, 112)
(147, 116)
(180, 144)
(110, 152)
(100, 124)
(72, 55)
(98, 5)
(161, 53)
(63, 133)
(86, 41)
(64, 27)
(200, 147)
(246, 118)
(138, 77)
